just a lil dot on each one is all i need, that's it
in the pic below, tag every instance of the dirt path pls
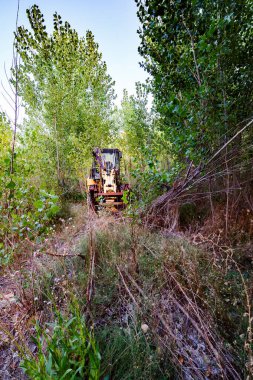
(17, 308)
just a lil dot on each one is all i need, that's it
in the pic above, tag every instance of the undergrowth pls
(27, 216)
(66, 349)
(178, 312)
(174, 281)
(128, 354)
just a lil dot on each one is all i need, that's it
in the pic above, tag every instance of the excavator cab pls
(104, 187)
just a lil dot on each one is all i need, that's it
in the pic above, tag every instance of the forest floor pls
(158, 303)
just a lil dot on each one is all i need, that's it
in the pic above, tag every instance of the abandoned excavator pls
(104, 187)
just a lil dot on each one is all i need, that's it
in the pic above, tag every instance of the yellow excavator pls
(104, 187)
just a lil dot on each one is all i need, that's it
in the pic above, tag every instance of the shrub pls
(27, 214)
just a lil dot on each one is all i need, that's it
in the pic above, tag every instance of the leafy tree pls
(135, 123)
(144, 145)
(199, 56)
(139, 132)
(65, 87)
(68, 96)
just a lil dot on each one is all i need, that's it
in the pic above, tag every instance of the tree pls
(65, 87)
(135, 123)
(199, 56)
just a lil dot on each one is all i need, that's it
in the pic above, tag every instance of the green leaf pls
(53, 210)
(11, 185)
(66, 373)
(39, 204)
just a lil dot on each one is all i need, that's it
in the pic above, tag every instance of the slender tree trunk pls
(15, 66)
(57, 151)
(225, 115)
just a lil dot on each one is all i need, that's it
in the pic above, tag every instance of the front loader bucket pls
(112, 201)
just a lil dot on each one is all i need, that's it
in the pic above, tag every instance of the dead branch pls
(66, 255)
(127, 288)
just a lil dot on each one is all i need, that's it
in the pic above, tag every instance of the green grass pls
(129, 354)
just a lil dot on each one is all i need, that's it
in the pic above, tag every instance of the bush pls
(27, 213)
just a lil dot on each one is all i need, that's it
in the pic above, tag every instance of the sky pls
(113, 22)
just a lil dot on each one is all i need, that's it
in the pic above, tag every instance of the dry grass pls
(178, 290)
(156, 298)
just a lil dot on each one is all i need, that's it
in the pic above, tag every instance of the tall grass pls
(191, 300)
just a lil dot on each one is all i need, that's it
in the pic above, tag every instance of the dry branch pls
(205, 182)
(167, 312)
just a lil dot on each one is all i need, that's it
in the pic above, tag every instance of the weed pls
(66, 350)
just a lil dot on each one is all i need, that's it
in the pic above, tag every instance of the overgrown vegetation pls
(71, 351)
(199, 56)
(26, 210)
(164, 289)
(179, 305)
